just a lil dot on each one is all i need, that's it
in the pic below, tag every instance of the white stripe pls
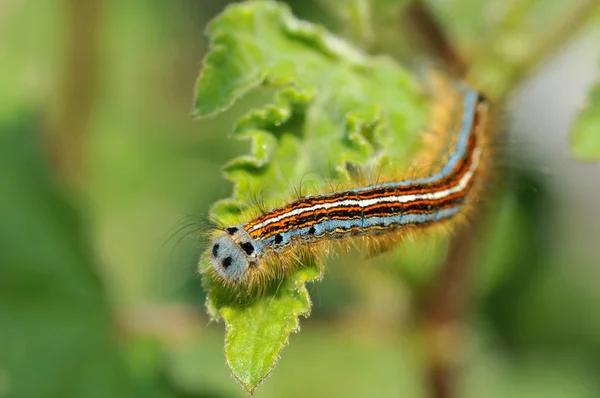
(462, 183)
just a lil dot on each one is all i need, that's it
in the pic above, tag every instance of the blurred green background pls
(105, 180)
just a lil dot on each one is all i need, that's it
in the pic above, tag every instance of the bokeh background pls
(105, 177)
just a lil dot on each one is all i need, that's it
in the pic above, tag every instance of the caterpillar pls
(244, 253)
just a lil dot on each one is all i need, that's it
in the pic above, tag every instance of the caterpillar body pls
(244, 253)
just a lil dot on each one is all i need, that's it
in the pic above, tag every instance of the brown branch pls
(548, 43)
(76, 92)
(555, 38)
(423, 28)
(444, 310)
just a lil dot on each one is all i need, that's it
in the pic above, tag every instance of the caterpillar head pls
(232, 253)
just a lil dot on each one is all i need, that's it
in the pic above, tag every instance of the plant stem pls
(425, 30)
(443, 311)
(555, 38)
(498, 74)
(76, 92)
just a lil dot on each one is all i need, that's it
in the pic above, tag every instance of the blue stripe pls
(331, 225)
(469, 107)
(325, 226)
(413, 218)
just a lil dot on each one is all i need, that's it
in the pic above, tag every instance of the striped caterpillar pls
(248, 252)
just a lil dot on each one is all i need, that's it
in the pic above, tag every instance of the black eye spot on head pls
(231, 230)
(227, 262)
(248, 248)
(312, 230)
(215, 250)
(278, 238)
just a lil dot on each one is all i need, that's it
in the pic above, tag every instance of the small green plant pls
(335, 109)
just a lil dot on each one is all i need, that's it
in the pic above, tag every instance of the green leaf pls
(355, 17)
(503, 50)
(336, 113)
(585, 135)
(371, 24)
(251, 333)
(56, 334)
